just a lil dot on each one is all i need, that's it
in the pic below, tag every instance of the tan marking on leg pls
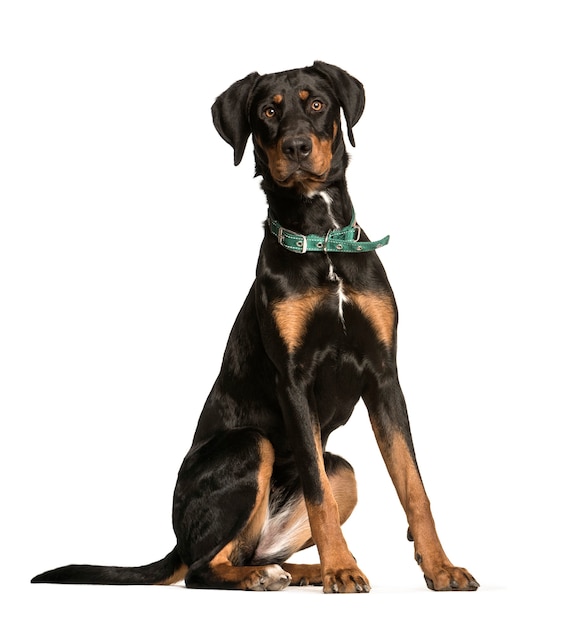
(178, 575)
(440, 573)
(339, 569)
(344, 489)
(248, 538)
(379, 310)
(252, 577)
(267, 577)
(292, 314)
(413, 498)
(304, 574)
(288, 530)
(258, 517)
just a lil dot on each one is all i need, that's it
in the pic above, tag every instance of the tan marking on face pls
(379, 311)
(303, 93)
(316, 166)
(322, 155)
(310, 177)
(278, 98)
(292, 315)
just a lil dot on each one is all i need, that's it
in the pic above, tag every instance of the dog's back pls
(316, 333)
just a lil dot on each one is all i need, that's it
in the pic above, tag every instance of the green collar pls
(341, 240)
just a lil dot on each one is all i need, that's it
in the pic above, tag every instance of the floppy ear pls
(349, 91)
(230, 114)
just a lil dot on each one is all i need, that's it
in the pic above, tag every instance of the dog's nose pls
(297, 148)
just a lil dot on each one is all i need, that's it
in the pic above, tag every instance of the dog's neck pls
(318, 212)
(327, 207)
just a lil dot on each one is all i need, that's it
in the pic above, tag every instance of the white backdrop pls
(118, 291)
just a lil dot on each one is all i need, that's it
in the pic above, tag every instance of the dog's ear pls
(230, 114)
(349, 91)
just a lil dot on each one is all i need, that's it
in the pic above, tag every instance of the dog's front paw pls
(450, 578)
(351, 580)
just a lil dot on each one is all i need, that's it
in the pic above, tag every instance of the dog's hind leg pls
(220, 508)
(287, 530)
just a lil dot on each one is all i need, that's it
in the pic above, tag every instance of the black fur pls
(279, 383)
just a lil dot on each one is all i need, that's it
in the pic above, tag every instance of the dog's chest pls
(341, 296)
(335, 311)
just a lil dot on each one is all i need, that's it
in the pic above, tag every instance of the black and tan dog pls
(316, 333)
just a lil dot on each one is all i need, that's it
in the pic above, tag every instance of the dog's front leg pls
(390, 423)
(340, 573)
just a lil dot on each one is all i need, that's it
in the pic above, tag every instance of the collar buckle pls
(302, 244)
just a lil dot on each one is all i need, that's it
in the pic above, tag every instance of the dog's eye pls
(269, 112)
(317, 105)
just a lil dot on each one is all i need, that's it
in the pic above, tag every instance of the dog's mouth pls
(291, 169)
(302, 180)
(297, 174)
(313, 170)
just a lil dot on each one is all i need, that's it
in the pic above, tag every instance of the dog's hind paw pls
(269, 578)
(304, 575)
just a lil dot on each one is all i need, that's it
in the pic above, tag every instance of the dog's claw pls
(346, 582)
(468, 582)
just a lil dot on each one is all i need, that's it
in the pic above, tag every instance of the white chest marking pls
(328, 202)
(340, 291)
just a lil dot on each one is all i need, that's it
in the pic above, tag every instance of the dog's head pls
(294, 118)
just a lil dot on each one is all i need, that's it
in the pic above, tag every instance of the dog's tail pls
(169, 570)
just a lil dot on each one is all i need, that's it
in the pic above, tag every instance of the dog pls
(316, 333)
